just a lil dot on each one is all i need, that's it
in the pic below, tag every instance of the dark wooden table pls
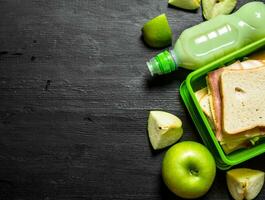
(74, 100)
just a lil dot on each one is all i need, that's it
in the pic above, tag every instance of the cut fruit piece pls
(213, 8)
(157, 32)
(244, 183)
(186, 4)
(164, 129)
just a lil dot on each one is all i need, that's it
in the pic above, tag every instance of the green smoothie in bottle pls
(212, 39)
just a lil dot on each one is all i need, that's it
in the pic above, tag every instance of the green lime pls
(185, 4)
(157, 32)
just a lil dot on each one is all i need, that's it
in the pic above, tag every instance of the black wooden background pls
(74, 100)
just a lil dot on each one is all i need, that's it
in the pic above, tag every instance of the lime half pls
(157, 32)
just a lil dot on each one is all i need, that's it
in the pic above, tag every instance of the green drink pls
(212, 39)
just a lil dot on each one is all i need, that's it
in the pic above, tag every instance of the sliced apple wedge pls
(164, 129)
(213, 8)
(185, 4)
(244, 183)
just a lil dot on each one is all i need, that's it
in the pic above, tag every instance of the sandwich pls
(221, 102)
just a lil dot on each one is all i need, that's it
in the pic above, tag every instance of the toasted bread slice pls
(243, 97)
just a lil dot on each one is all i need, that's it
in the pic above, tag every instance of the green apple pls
(212, 8)
(164, 129)
(188, 169)
(244, 183)
(157, 32)
(185, 4)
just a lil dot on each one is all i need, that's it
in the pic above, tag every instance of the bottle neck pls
(164, 63)
(174, 56)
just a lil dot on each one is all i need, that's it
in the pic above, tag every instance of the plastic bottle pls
(212, 39)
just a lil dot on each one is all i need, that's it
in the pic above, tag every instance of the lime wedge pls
(164, 129)
(157, 32)
(213, 8)
(185, 4)
(244, 183)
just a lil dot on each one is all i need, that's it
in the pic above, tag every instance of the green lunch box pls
(194, 82)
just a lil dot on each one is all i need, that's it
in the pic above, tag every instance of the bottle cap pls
(163, 63)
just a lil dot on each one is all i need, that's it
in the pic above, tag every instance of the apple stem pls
(194, 172)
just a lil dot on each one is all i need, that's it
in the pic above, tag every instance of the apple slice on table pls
(244, 183)
(186, 4)
(164, 129)
(213, 8)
